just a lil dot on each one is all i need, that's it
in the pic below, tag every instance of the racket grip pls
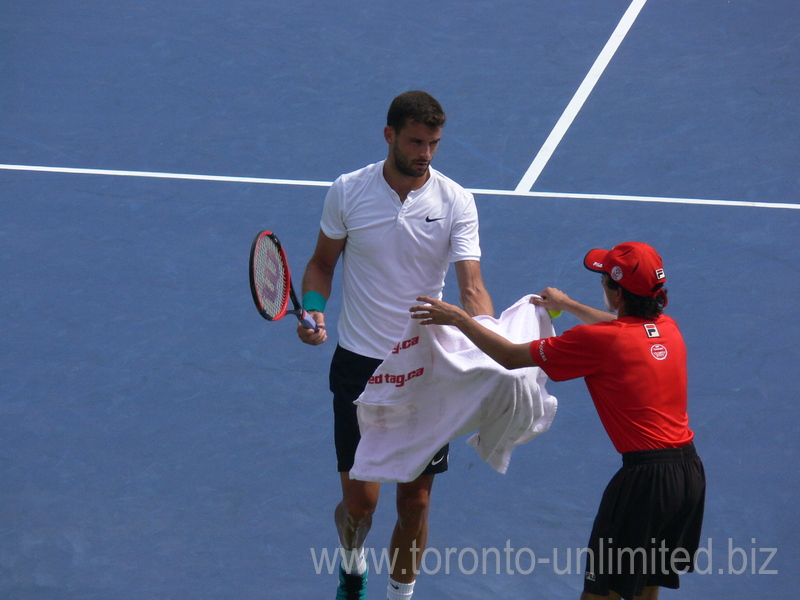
(308, 322)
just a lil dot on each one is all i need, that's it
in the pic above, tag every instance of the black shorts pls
(349, 375)
(647, 528)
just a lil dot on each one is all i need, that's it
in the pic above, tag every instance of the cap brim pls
(594, 260)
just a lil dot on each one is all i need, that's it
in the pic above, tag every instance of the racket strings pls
(270, 277)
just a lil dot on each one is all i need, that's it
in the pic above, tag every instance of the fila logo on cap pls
(660, 274)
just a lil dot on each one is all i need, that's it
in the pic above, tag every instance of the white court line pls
(575, 105)
(658, 199)
(307, 183)
(156, 175)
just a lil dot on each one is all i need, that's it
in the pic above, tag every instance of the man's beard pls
(405, 166)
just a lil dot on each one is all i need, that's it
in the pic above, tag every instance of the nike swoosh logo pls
(429, 220)
(436, 461)
(397, 587)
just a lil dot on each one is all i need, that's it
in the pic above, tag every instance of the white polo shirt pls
(395, 251)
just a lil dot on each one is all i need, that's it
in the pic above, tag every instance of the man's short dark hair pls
(415, 106)
(635, 305)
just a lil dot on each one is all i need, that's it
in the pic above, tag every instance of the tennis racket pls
(271, 282)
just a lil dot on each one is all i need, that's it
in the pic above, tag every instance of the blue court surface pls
(159, 440)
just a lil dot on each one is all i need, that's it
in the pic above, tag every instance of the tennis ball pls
(554, 314)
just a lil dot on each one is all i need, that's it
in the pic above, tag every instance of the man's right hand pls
(311, 337)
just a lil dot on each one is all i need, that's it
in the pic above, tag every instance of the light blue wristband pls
(314, 301)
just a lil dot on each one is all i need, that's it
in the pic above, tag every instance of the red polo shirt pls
(636, 374)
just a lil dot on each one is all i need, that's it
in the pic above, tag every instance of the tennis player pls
(633, 360)
(397, 225)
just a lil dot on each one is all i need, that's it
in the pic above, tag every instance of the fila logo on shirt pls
(659, 351)
(651, 330)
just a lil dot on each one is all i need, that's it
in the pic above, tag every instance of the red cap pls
(635, 266)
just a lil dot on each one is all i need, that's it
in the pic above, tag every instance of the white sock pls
(399, 591)
(354, 562)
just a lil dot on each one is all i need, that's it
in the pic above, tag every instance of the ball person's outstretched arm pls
(504, 352)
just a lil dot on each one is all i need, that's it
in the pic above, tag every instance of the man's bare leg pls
(410, 536)
(353, 514)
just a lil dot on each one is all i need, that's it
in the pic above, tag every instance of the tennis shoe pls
(351, 587)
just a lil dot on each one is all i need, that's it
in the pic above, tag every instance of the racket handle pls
(308, 322)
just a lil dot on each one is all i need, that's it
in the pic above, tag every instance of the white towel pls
(436, 385)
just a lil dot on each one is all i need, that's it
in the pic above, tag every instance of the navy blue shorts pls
(349, 375)
(647, 528)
